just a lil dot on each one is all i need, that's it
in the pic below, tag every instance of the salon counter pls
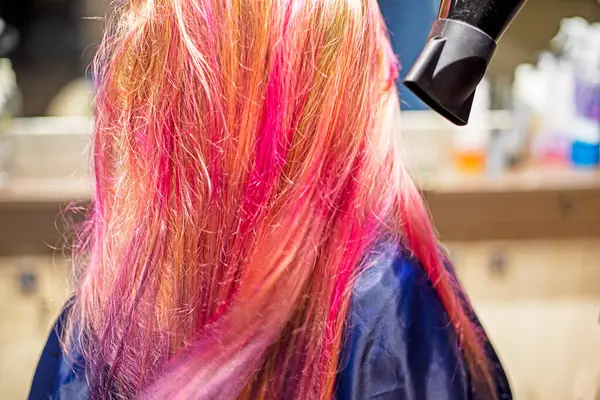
(533, 203)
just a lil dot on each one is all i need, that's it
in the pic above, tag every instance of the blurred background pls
(515, 195)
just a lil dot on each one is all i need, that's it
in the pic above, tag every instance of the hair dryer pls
(460, 45)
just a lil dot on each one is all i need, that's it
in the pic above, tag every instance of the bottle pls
(585, 55)
(470, 142)
(551, 145)
(529, 93)
(8, 107)
(585, 145)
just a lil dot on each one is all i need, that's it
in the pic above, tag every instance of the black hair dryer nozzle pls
(460, 46)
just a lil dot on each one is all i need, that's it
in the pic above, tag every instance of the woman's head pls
(244, 164)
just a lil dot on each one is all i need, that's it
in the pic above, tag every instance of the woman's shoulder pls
(394, 284)
(393, 277)
(399, 342)
(59, 376)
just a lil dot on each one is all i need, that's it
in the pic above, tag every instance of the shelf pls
(527, 180)
(518, 205)
(46, 190)
(56, 190)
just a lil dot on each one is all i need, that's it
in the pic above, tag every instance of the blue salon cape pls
(399, 344)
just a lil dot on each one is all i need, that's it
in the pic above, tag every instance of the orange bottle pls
(471, 142)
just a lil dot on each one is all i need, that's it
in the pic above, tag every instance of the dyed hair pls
(245, 164)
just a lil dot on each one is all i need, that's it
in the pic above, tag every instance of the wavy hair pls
(244, 163)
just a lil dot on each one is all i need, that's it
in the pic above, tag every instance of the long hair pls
(244, 164)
